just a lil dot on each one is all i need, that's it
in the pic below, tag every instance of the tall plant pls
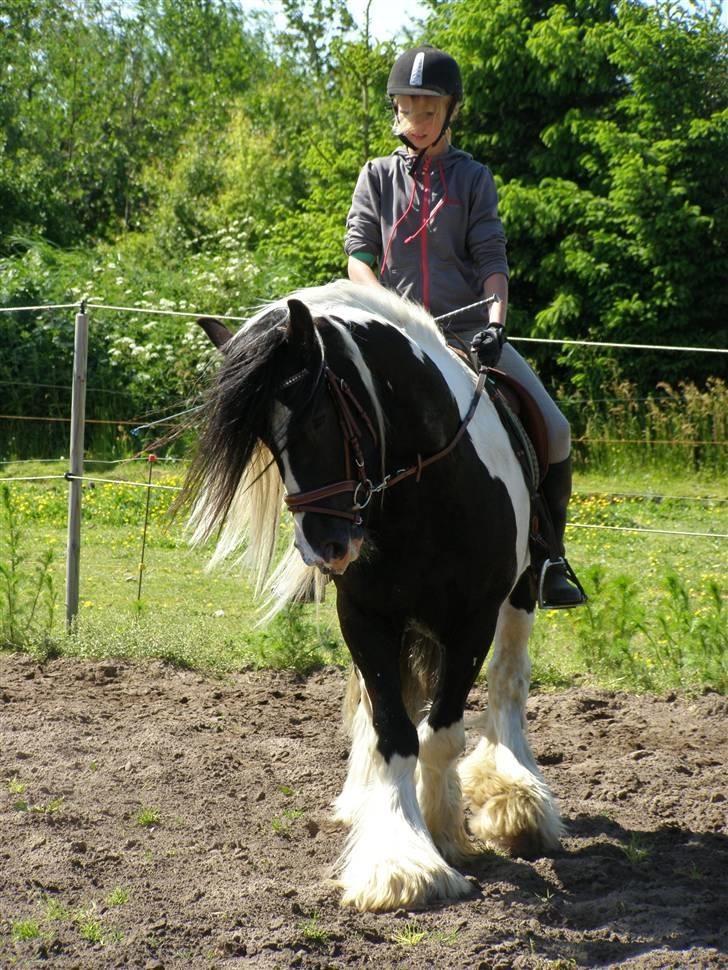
(27, 593)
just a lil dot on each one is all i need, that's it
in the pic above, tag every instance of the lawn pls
(656, 616)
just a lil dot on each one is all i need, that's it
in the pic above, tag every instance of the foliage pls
(607, 126)
(27, 592)
(185, 155)
(614, 426)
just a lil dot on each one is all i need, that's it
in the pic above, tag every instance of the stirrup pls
(570, 575)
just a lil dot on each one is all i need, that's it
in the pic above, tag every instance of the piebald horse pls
(347, 403)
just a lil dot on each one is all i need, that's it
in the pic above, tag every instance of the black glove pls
(488, 344)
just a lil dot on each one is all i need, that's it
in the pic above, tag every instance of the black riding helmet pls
(425, 70)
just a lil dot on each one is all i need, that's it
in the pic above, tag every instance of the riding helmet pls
(425, 70)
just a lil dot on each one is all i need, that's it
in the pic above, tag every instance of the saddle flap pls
(523, 405)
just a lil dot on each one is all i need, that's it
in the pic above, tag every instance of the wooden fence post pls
(75, 471)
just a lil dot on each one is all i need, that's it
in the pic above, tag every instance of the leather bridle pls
(352, 416)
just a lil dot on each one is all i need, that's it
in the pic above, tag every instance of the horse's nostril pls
(334, 551)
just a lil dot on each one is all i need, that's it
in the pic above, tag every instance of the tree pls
(606, 127)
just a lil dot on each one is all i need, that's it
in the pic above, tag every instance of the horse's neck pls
(416, 400)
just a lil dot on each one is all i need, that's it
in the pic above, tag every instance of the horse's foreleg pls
(389, 860)
(512, 805)
(442, 739)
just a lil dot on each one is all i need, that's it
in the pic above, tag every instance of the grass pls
(637, 851)
(410, 935)
(656, 617)
(312, 931)
(147, 818)
(23, 930)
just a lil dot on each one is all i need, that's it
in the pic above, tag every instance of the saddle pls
(522, 419)
(526, 428)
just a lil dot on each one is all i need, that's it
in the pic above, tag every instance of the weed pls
(15, 786)
(147, 818)
(295, 642)
(445, 938)
(90, 928)
(636, 850)
(55, 911)
(49, 810)
(548, 896)
(312, 931)
(27, 929)
(118, 896)
(695, 873)
(409, 935)
(282, 823)
(26, 587)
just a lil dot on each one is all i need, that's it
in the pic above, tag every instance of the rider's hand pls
(488, 344)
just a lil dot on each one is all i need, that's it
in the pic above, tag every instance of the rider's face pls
(421, 117)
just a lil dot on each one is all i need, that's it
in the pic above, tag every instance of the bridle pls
(352, 417)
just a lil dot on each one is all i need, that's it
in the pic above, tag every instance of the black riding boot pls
(559, 589)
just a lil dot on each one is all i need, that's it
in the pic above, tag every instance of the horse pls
(346, 401)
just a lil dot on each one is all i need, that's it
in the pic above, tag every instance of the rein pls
(362, 488)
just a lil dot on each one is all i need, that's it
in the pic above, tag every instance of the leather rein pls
(351, 418)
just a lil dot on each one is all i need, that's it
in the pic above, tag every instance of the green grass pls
(147, 818)
(27, 929)
(656, 616)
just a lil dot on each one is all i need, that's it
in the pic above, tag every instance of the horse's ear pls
(216, 331)
(300, 325)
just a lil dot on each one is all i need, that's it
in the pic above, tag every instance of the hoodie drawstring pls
(397, 223)
(425, 222)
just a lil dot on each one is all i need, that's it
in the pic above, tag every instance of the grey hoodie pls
(437, 240)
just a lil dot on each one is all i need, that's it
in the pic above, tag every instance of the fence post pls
(78, 415)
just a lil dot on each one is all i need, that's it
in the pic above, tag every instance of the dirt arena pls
(233, 778)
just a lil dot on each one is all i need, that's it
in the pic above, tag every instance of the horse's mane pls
(233, 480)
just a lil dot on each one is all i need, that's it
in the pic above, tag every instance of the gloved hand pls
(488, 344)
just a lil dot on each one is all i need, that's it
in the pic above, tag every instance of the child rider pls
(424, 223)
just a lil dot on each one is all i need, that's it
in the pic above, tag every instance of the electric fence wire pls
(218, 316)
(177, 488)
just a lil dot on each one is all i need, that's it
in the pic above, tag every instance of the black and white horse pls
(347, 402)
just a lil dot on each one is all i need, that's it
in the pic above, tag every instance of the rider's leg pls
(558, 590)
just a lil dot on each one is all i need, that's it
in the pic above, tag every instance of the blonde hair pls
(402, 126)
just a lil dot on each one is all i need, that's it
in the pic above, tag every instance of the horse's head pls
(284, 387)
(318, 443)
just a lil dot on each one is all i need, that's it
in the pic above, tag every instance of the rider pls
(424, 223)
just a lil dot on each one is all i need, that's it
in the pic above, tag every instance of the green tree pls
(606, 127)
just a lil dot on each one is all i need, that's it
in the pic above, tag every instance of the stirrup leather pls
(570, 576)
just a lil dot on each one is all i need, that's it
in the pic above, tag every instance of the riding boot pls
(559, 589)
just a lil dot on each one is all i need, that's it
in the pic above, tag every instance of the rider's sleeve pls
(363, 226)
(369, 258)
(486, 238)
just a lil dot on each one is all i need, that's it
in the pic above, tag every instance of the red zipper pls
(423, 237)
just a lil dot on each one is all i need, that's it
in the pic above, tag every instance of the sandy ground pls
(241, 772)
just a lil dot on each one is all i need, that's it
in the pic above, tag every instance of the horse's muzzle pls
(334, 558)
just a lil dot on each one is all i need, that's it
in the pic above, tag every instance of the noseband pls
(362, 489)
